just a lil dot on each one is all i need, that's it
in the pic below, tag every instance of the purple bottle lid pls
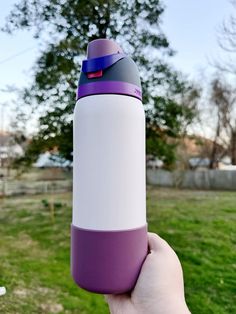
(103, 54)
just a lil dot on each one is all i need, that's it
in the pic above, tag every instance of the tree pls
(223, 98)
(227, 42)
(222, 93)
(64, 28)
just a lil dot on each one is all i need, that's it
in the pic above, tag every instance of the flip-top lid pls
(107, 70)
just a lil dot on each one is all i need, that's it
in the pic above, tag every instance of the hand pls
(160, 286)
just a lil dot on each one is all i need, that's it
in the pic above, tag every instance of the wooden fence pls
(205, 180)
(9, 188)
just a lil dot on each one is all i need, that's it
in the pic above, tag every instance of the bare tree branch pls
(223, 99)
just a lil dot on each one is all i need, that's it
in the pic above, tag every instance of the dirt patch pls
(21, 292)
(51, 307)
(44, 290)
(26, 245)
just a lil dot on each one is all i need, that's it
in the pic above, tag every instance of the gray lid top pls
(102, 47)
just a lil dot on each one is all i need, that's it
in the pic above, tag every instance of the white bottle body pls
(109, 163)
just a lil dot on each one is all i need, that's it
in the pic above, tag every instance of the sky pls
(190, 25)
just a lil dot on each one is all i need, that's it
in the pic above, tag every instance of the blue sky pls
(190, 25)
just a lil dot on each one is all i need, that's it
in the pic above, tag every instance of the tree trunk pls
(233, 147)
(214, 148)
(213, 156)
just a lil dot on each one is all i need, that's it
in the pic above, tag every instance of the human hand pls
(160, 286)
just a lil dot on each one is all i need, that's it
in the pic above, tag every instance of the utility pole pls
(1, 131)
(1, 145)
(2, 117)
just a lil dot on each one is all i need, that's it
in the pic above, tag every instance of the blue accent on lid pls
(101, 63)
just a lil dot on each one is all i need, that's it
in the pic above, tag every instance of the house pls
(52, 160)
(9, 150)
(195, 152)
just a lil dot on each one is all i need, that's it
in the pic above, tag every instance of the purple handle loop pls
(101, 63)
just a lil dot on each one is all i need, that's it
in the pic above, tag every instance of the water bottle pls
(109, 229)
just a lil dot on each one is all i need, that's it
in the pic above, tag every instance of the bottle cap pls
(107, 70)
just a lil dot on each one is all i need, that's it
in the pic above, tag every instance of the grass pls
(34, 251)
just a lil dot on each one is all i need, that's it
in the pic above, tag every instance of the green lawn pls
(34, 251)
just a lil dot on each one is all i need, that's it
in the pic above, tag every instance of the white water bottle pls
(109, 230)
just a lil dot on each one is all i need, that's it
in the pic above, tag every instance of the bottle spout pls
(102, 47)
